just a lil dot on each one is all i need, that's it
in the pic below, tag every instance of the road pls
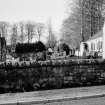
(94, 95)
(88, 101)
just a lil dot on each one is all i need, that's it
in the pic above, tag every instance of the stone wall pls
(30, 76)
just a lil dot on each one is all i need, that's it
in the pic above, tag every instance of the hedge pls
(30, 47)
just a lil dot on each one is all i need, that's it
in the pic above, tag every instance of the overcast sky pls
(33, 10)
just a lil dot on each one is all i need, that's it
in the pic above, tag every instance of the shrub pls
(30, 47)
(64, 47)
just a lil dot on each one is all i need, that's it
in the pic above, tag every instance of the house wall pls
(94, 45)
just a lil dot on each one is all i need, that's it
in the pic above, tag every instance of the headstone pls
(2, 49)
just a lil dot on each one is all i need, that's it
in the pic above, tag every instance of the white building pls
(94, 43)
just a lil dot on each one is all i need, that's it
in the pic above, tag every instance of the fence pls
(31, 76)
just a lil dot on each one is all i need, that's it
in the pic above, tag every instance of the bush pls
(64, 47)
(30, 47)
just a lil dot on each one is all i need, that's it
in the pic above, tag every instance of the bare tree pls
(84, 21)
(103, 8)
(30, 30)
(39, 30)
(22, 34)
(14, 35)
(51, 42)
(3, 29)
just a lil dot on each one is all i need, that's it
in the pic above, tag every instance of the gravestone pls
(2, 49)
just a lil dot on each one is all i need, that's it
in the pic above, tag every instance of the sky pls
(33, 10)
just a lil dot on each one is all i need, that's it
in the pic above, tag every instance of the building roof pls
(97, 35)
